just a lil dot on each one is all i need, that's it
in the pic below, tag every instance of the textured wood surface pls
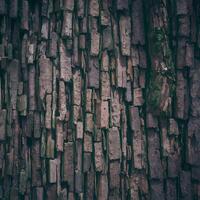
(99, 99)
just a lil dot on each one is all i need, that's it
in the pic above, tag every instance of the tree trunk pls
(99, 99)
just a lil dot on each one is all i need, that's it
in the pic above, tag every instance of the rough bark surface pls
(99, 99)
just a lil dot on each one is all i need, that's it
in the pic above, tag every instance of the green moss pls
(154, 90)
(157, 38)
(161, 51)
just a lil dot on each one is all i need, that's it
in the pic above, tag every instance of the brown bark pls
(99, 99)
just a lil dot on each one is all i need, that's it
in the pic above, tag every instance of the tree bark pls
(99, 99)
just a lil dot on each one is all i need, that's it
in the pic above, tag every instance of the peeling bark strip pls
(99, 99)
